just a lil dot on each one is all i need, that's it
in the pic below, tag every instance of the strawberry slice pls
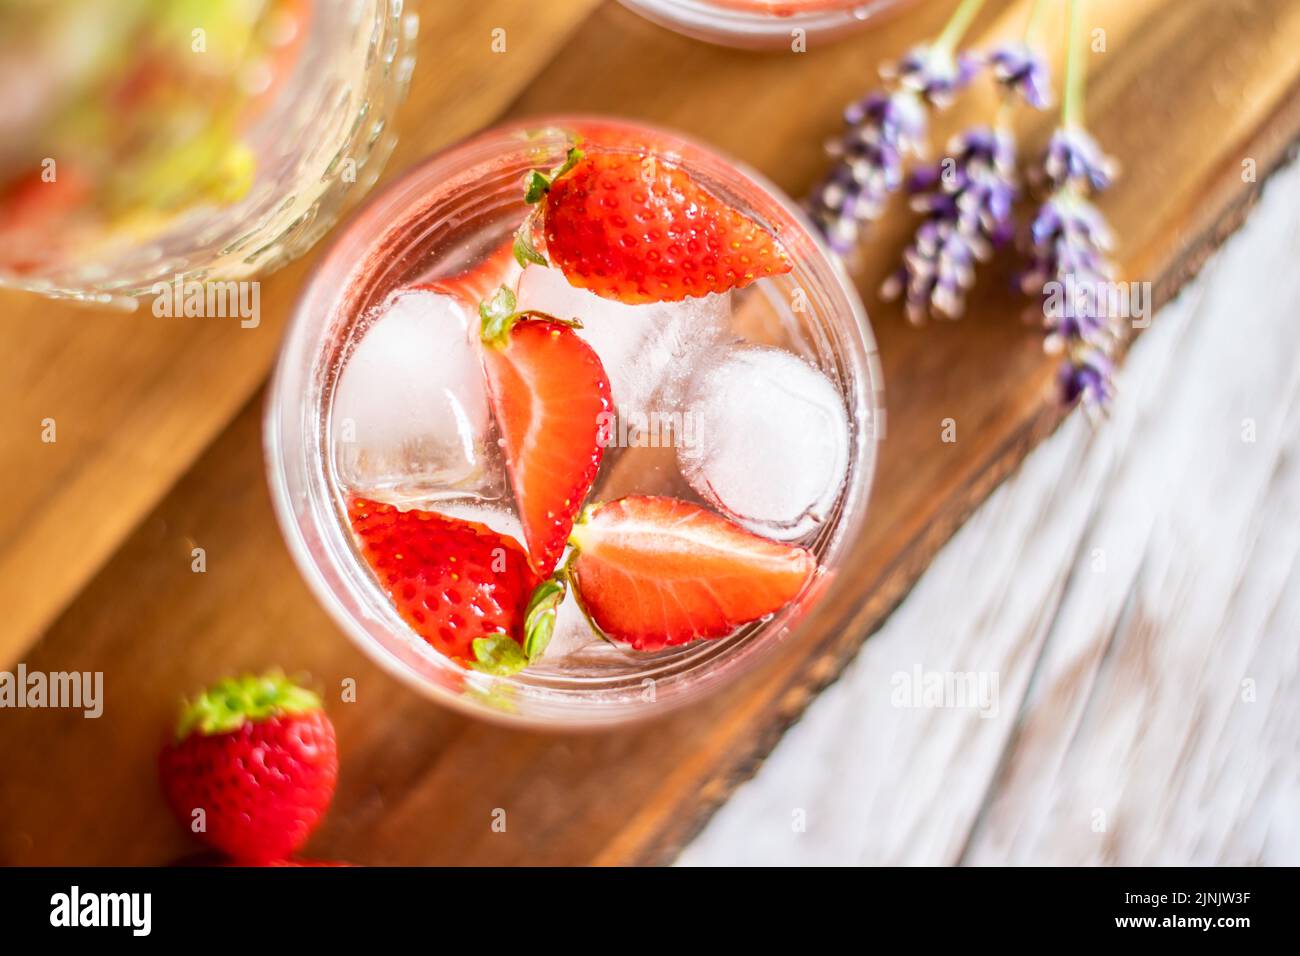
(461, 586)
(656, 572)
(474, 285)
(550, 395)
(637, 228)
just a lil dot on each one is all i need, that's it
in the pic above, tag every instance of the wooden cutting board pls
(158, 446)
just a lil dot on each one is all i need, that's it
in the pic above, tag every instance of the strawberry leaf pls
(229, 703)
(539, 184)
(539, 618)
(525, 252)
(574, 157)
(498, 314)
(499, 654)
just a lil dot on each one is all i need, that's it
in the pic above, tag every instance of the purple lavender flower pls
(1074, 157)
(1068, 246)
(938, 270)
(1087, 376)
(933, 73)
(978, 177)
(885, 127)
(881, 130)
(1068, 236)
(967, 201)
(1069, 271)
(1020, 70)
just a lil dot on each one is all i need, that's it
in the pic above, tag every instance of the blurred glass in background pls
(145, 139)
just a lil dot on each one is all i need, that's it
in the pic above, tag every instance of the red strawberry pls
(550, 396)
(640, 229)
(461, 586)
(656, 572)
(257, 755)
(480, 282)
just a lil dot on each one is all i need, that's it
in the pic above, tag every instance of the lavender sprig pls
(967, 202)
(1068, 266)
(1068, 248)
(967, 199)
(1088, 376)
(881, 131)
(1069, 270)
(1022, 72)
(884, 129)
(1073, 157)
(933, 73)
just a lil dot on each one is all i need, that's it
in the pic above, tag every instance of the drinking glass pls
(450, 212)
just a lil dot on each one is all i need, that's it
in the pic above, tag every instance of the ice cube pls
(498, 517)
(410, 417)
(573, 632)
(577, 649)
(645, 349)
(689, 331)
(771, 440)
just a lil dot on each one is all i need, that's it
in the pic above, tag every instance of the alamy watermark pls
(637, 428)
(75, 690)
(963, 690)
(1101, 299)
(211, 299)
(133, 911)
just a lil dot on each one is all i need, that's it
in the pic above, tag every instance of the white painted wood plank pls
(1162, 757)
(1119, 587)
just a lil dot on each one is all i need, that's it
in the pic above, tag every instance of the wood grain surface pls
(159, 445)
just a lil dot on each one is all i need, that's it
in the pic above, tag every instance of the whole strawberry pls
(257, 756)
(637, 228)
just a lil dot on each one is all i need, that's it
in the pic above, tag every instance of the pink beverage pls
(582, 499)
(761, 23)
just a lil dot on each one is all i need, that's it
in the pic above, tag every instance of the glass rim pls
(293, 459)
(729, 23)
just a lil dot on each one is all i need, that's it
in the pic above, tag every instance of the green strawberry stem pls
(578, 523)
(539, 183)
(229, 703)
(499, 317)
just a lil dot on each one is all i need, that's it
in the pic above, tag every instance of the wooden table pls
(158, 444)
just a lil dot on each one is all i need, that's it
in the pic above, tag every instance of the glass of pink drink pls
(761, 23)
(571, 503)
